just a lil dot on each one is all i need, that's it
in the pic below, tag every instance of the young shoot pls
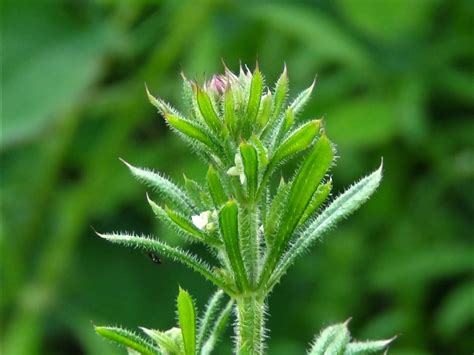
(254, 225)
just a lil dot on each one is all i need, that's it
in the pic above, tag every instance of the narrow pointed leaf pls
(250, 164)
(187, 321)
(169, 191)
(281, 93)
(158, 247)
(127, 338)
(261, 152)
(317, 200)
(307, 180)
(314, 167)
(218, 329)
(274, 213)
(228, 222)
(184, 223)
(163, 107)
(206, 321)
(164, 341)
(367, 347)
(296, 142)
(302, 99)
(207, 110)
(188, 227)
(229, 112)
(341, 207)
(181, 225)
(288, 121)
(265, 112)
(194, 191)
(340, 340)
(324, 340)
(216, 189)
(255, 96)
(192, 130)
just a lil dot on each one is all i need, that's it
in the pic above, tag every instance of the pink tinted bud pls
(217, 84)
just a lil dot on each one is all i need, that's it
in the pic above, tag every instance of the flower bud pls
(217, 85)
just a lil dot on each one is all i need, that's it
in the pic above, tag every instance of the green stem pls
(250, 323)
(249, 242)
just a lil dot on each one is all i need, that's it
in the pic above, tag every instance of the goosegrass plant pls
(254, 223)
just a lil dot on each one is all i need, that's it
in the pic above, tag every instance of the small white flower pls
(238, 169)
(201, 220)
(205, 220)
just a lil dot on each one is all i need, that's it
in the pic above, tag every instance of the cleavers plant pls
(253, 225)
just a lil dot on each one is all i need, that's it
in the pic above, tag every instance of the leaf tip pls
(97, 233)
(285, 71)
(153, 100)
(126, 164)
(149, 200)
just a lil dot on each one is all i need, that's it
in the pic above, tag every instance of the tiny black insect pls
(153, 257)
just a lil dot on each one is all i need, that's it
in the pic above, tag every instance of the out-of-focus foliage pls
(393, 80)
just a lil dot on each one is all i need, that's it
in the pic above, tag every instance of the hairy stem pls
(249, 241)
(250, 325)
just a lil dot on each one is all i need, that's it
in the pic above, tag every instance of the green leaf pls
(169, 191)
(367, 347)
(228, 222)
(331, 340)
(163, 107)
(255, 95)
(229, 111)
(181, 225)
(216, 189)
(336, 340)
(261, 152)
(250, 164)
(339, 341)
(296, 142)
(194, 192)
(207, 109)
(156, 246)
(317, 200)
(288, 121)
(192, 130)
(265, 111)
(188, 227)
(187, 321)
(314, 167)
(322, 341)
(164, 341)
(218, 329)
(272, 220)
(127, 338)
(302, 99)
(280, 95)
(340, 208)
(205, 323)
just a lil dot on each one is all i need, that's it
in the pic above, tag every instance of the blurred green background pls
(395, 79)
